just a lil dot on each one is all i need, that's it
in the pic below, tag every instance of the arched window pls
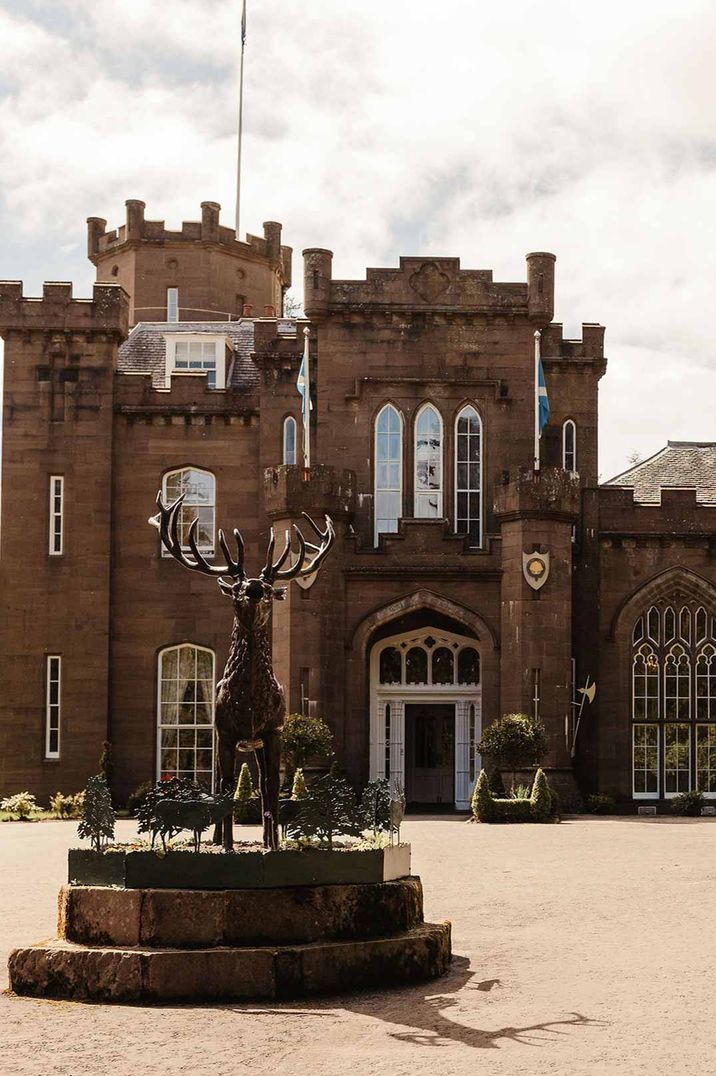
(468, 475)
(388, 471)
(569, 445)
(185, 714)
(416, 666)
(468, 666)
(391, 671)
(674, 701)
(428, 464)
(199, 491)
(442, 665)
(289, 440)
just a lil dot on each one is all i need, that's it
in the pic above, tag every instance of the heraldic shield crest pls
(535, 567)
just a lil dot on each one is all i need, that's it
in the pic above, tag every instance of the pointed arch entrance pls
(426, 714)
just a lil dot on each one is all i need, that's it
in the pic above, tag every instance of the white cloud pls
(404, 127)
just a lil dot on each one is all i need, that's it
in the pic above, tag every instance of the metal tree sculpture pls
(250, 706)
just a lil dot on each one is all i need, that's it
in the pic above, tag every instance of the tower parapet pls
(58, 310)
(213, 272)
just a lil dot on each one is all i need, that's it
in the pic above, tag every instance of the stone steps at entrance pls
(128, 974)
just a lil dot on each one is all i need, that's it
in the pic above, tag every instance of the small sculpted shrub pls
(541, 799)
(299, 789)
(98, 817)
(688, 803)
(482, 801)
(22, 804)
(514, 742)
(67, 806)
(244, 793)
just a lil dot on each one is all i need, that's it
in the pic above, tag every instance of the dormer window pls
(189, 353)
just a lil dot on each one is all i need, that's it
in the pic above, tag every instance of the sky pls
(398, 127)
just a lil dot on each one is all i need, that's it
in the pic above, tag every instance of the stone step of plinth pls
(63, 969)
(199, 919)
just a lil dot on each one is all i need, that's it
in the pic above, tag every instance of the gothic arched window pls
(289, 440)
(468, 475)
(388, 459)
(428, 463)
(569, 445)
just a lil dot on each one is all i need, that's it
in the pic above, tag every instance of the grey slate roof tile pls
(143, 352)
(681, 464)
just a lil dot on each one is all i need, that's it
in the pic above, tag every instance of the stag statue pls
(250, 705)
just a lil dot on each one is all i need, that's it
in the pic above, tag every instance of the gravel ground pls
(586, 947)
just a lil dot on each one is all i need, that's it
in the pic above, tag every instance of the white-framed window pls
(388, 457)
(57, 513)
(196, 353)
(428, 463)
(172, 304)
(185, 714)
(53, 702)
(199, 490)
(290, 430)
(569, 445)
(674, 693)
(468, 475)
(646, 761)
(429, 659)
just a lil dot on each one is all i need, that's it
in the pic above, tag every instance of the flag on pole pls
(303, 384)
(542, 398)
(243, 24)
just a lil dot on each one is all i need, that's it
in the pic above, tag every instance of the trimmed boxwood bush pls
(540, 807)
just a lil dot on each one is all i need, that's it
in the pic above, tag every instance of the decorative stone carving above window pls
(429, 282)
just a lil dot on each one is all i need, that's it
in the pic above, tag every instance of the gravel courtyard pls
(586, 947)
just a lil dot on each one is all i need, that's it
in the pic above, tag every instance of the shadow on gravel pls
(424, 1014)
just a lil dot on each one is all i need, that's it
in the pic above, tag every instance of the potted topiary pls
(514, 742)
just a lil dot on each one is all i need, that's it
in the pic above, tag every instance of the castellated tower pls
(201, 273)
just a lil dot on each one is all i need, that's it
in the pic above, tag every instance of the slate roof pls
(681, 464)
(144, 350)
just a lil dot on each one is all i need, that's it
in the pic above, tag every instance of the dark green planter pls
(240, 870)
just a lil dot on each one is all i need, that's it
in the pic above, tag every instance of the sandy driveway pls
(587, 947)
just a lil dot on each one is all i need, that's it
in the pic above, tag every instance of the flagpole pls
(538, 337)
(241, 118)
(306, 402)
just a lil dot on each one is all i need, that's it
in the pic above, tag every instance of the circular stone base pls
(66, 970)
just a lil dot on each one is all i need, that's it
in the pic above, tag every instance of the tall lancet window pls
(388, 471)
(428, 464)
(468, 475)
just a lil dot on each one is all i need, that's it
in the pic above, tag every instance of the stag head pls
(251, 598)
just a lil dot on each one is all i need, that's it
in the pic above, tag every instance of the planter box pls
(238, 870)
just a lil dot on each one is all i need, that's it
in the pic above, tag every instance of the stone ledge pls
(63, 969)
(196, 919)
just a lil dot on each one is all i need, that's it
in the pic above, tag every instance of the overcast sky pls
(394, 127)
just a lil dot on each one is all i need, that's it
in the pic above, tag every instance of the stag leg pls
(227, 759)
(269, 765)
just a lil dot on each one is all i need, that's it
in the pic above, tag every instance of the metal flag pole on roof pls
(303, 384)
(241, 116)
(541, 400)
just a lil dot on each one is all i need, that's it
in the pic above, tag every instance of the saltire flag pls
(542, 398)
(303, 390)
(243, 24)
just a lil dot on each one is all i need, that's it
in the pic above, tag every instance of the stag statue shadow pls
(423, 1010)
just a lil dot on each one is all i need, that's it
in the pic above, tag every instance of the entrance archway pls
(426, 715)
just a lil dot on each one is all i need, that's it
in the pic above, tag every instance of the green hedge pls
(540, 807)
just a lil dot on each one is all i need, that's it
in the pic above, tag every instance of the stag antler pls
(167, 523)
(298, 569)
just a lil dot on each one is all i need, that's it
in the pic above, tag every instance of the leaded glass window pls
(468, 475)
(468, 666)
(646, 760)
(416, 666)
(677, 769)
(390, 665)
(199, 491)
(388, 471)
(442, 665)
(428, 464)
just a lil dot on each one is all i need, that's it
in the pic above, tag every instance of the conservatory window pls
(706, 759)
(676, 759)
(646, 760)
(428, 464)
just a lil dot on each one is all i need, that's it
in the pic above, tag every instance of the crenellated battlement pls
(431, 284)
(291, 490)
(137, 229)
(551, 492)
(678, 513)
(57, 309)
(590, 348)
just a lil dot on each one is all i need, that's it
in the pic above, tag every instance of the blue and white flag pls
(303, 384)
(243, 24)
(542, 398)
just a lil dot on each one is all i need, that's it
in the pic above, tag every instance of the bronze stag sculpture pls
(250, 705)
